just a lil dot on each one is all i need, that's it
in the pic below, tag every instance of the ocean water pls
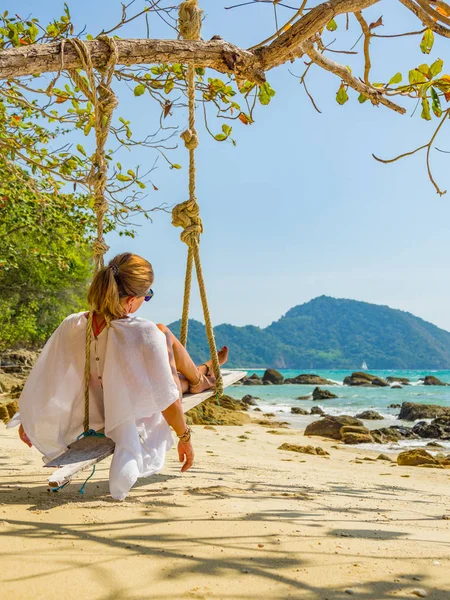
(279, 399)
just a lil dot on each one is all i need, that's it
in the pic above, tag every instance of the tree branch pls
(286, 46)
(216, 54)
(374, 94)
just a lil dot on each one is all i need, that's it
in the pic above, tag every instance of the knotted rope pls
(104, 102)
(187, 214)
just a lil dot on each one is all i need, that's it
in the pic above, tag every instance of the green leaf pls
(341, 96)
(226, 129)
(415, 76)
(362, 98)
(425, 110)
(220, 137)
(81, 149)
(139, 90)
(332, 25)
(436, 67)
(169, 86)
(436, 103)
(175, 166)
(427, 41)
(123, 178)
(397, 78)
(265, 93)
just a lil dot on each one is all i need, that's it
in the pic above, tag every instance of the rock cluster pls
(330, 427)
(369, 415)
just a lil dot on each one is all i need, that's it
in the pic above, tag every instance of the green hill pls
(330, 333)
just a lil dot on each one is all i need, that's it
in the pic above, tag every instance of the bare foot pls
(206, 368)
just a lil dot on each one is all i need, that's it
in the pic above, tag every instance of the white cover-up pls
(137, 385)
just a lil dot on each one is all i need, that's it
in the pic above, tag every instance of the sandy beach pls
(249, 520)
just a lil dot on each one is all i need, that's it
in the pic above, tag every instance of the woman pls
(138, 373)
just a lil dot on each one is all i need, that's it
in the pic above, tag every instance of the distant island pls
(330, 333)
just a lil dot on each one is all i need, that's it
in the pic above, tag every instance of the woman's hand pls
(23, 436)
(186, 454)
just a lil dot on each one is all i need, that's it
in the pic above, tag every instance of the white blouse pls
(131, 382)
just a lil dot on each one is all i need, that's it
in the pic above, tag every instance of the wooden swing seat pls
(89, 450)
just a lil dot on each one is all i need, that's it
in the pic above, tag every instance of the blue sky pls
(299, 208)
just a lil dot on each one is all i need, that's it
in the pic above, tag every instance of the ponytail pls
(126, 275)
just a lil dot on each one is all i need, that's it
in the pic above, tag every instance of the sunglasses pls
(149, 295)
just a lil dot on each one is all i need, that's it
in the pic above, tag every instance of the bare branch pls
(426, 19)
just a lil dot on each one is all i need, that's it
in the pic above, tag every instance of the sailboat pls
(364, 366)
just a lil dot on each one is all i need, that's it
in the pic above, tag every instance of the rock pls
(209, 412)
(269, 414)
(357, 438)
(316, 410)
(319, 394)
(304, 449)
(7, 410)
(434, 445)
(384, 457)
(10, 384)
(309, 379)
(257, 410)
(249, 400)
(353, 429)
(431, 380)
(419, 592)
(330, 427)
(402, 380)
(393, 434)
(369, 415)
(18, 361)
(304, 397)
(254, 376)
(394, 406)
(250, 381)
(296, 410)
(412, 411)
(416, 457)
(267, 382)
(360, 378)
(380, 382)
(273, 376)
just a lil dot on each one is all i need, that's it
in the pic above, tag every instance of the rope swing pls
(187, 214)
(104, 101)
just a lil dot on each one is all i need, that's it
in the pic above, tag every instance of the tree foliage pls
(45, 258)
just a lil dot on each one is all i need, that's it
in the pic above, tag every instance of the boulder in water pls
(402, 380)
(393, 434)
(250, 400)
(297, 410)
(431, 380)
(309, 379)
(272, 376)
(369, 415)
(319, 394)
(360, 378)
(412, 411)
(330, 427)
(316, 410)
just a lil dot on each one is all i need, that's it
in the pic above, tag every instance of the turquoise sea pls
(351, 400)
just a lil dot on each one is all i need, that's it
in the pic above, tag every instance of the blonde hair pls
(126, 275)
